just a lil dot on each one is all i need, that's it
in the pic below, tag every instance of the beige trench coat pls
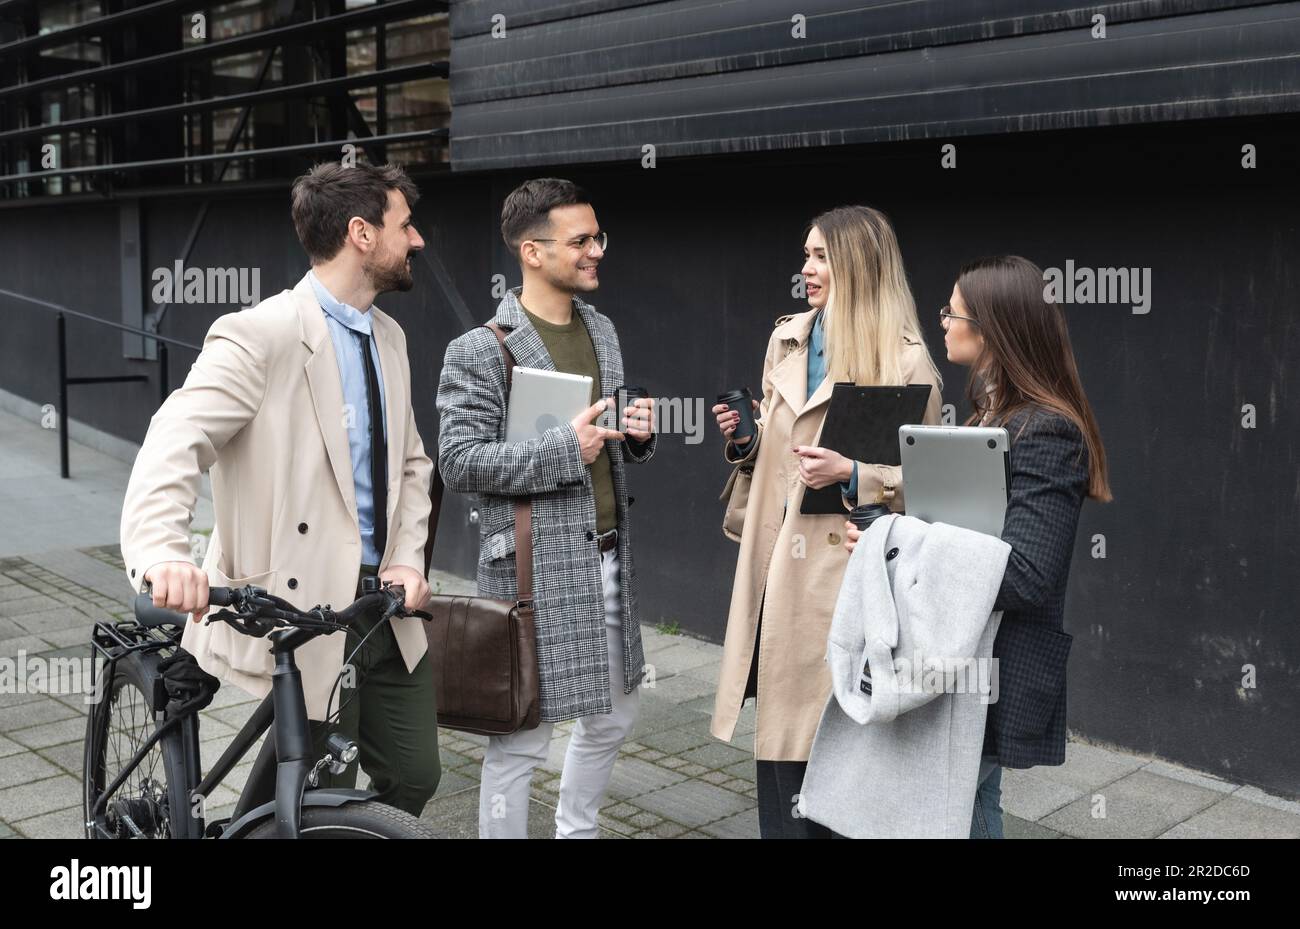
(263, 408)
(798, 559)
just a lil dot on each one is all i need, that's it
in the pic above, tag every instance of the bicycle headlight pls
(342, 748)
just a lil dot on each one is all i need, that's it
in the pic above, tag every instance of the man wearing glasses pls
(588, 638)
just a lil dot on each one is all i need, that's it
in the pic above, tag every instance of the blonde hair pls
(869, 307)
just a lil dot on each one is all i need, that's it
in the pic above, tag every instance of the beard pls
(572, 280)
(392, 276)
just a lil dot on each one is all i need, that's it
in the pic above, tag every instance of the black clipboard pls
(862, 424)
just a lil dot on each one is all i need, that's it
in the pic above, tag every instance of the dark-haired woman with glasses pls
(1024, 378)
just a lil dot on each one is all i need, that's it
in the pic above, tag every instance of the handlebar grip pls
(146, 614)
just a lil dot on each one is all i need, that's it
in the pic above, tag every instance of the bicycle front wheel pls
(366, 819)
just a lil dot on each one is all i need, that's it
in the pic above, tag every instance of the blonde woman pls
(861, 326)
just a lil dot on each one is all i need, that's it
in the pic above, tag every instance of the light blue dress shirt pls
(816, 374)
(344, 323)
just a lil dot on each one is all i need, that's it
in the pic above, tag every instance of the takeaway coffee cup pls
(740, 401)
(623, 397)
(865, 514)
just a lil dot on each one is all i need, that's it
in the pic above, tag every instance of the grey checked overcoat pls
(1049, 482)
(474, 458)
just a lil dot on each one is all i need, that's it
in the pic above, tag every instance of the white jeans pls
(509, 760)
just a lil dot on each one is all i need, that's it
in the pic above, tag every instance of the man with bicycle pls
(588, 640)
(300, 408)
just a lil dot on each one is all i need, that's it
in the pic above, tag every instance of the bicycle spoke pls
(144, 790)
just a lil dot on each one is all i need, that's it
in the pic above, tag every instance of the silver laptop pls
(541, 400)
(959, 475)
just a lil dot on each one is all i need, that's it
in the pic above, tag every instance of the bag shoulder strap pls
(523, 505)
(506, 356)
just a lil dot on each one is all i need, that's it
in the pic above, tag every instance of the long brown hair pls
(1026, 358)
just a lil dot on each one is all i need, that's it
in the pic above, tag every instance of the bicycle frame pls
(292, 732)
(286, 706)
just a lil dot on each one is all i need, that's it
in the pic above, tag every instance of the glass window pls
(175, 124)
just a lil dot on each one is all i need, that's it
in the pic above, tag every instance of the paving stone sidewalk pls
(673, 779)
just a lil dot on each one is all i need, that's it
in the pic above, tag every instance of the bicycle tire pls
(126, 701)
(365, 819)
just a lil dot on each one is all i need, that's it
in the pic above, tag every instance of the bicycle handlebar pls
(146, 614)
(257, 612)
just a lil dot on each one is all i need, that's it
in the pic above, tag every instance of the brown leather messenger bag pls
(483, 651)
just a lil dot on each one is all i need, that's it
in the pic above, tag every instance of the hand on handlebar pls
(180, 587)
(417, 588)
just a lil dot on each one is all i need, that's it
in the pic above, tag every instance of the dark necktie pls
(378, 449)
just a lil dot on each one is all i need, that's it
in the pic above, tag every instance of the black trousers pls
(779, 783)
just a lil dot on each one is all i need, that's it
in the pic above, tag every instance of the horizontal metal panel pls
(1226, 63)
(102, 24)
(363, 142)
(291, 34)
(115, 21)
(473, 17)
(310, 89)
(683, 38)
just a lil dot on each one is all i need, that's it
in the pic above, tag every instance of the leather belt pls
(608, 540)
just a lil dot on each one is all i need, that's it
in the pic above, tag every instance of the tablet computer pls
(541, 400)
(959, 475)
(862, 424)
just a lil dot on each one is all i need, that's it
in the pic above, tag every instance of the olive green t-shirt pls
(572, 353)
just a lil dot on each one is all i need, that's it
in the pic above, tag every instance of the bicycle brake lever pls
(247, 624)
(218, 615)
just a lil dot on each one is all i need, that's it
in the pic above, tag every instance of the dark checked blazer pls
(474, 458)
(1049, 479)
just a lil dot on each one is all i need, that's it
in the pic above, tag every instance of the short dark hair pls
(527, 210)
(330, 194)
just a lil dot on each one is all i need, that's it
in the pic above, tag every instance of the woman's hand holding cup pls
(851, 535)
(729, 419)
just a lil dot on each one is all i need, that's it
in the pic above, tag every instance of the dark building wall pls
(1201, 540)
(547, 83)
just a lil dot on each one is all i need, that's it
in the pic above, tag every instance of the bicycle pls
(142, 772)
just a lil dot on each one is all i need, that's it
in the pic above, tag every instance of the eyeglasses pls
(946, 313)
(585, 243)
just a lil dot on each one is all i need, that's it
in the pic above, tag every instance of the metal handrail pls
(59, 308)
(62, 313)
